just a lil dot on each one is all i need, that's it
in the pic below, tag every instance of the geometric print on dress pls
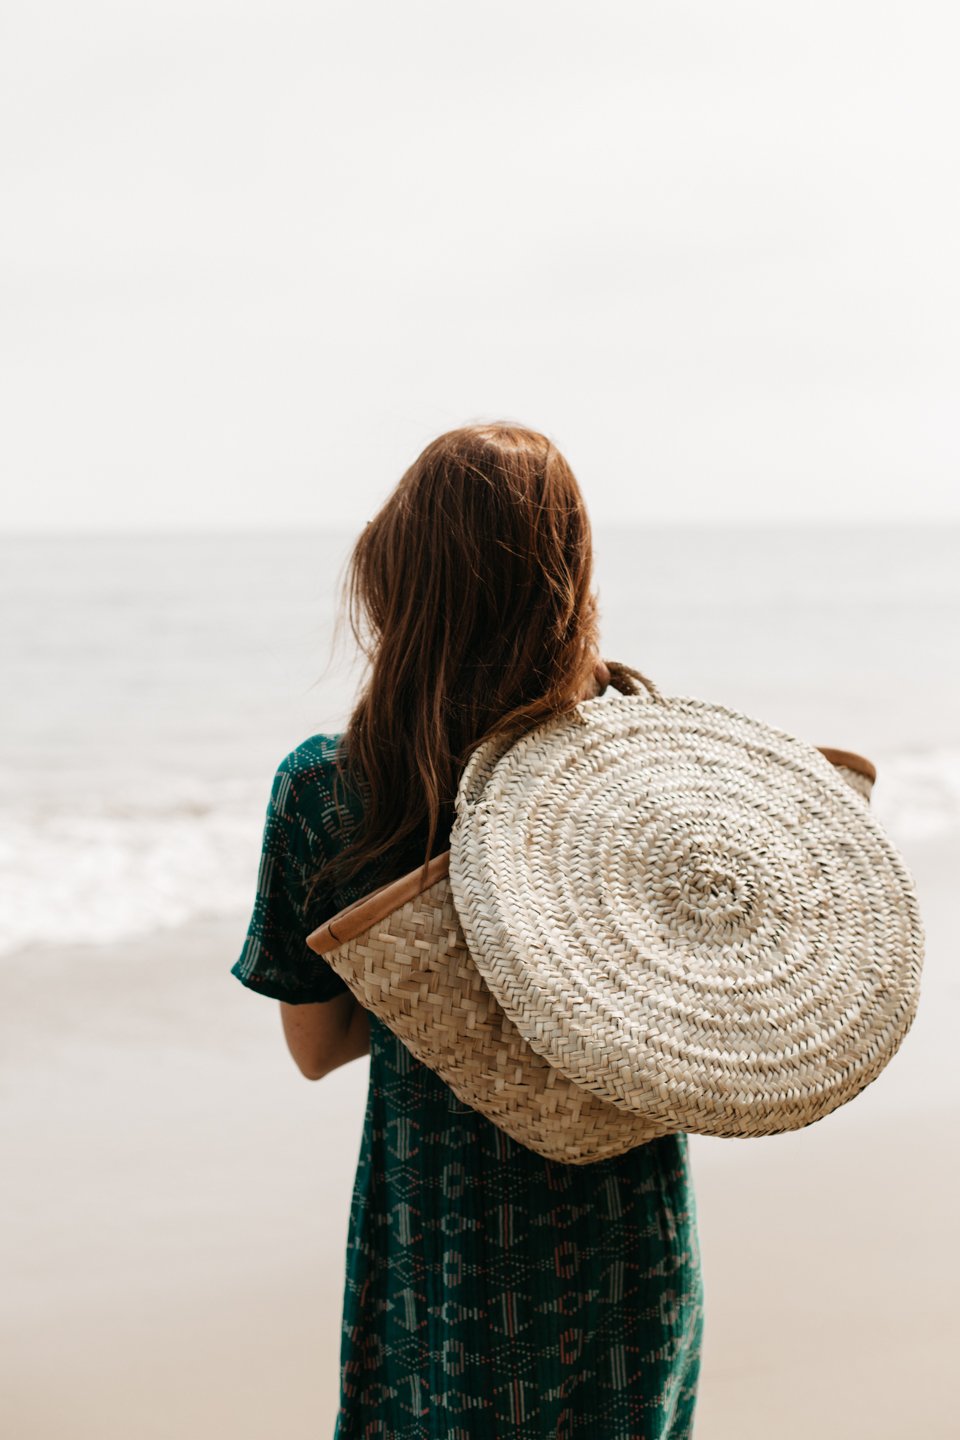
(489, 1293)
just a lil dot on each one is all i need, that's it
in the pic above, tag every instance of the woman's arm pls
(324, 1036)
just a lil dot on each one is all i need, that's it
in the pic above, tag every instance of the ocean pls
(152, 683)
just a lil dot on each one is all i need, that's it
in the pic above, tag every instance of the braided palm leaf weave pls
(414, 971)
(687, 912)
(655, 915)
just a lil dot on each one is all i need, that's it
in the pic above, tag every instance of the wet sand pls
(176, 1198)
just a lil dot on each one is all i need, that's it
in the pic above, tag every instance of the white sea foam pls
(144, 675)
(917, 795)
(94, 875)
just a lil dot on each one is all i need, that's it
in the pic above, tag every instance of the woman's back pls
(488, 1291)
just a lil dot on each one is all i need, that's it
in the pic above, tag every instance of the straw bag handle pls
(481, 761)
(859, 772)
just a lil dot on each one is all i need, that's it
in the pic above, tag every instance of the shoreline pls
(176, 1215)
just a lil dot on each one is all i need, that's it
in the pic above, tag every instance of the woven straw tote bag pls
(656, 914)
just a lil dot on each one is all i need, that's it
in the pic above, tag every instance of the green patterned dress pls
(490, 1293)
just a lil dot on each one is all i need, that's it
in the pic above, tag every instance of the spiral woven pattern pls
(688, 912)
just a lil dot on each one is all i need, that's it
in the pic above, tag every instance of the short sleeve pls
(276, 960)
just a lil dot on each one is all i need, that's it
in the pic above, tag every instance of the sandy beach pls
(350, 353)
(176, 1205)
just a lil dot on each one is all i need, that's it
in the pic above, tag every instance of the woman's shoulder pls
(303, 784)
(314, 759)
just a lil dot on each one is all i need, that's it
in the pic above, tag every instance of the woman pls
(489, 1292)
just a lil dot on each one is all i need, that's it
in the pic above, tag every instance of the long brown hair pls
(470, 594)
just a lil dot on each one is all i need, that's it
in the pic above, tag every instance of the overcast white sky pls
(255, 256)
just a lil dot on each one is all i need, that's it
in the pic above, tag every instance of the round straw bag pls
(655, 915)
